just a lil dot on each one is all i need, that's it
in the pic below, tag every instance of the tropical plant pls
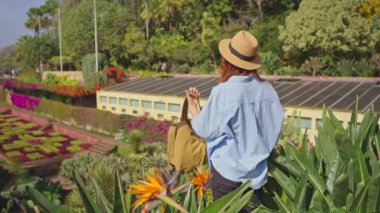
(341, 173)
(155, 189)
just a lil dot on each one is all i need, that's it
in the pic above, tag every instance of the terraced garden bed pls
(26, 141)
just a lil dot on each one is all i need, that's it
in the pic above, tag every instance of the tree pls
(41, 17)
(30, 49)
(33, 23)
(78, 29)
(333, 27)
(138, 51)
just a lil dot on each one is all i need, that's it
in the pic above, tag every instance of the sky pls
(12, 19)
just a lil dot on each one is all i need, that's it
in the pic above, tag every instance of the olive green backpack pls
(185, 149)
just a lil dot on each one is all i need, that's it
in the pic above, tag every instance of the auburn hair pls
(229, 70)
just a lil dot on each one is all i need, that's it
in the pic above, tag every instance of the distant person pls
(241, 121)
(13, 72)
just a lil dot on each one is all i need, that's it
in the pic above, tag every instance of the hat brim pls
(226, 53)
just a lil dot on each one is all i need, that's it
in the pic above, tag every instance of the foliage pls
(41, 17)
(85, 164)
(267, 34)
(31, 50)
(138, 51)
(41, 89)
(52, 191)
(51, 79)
(97, 202)
(340, 173)
(313, 65)
(328, 27)
(370, 8)
(153, 131)
(78, 39)
(355, 68)
(30, 77)
(91, 76)
(376, 64)
(184, 68)
(270, 63)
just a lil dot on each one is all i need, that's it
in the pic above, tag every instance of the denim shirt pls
(241, 122)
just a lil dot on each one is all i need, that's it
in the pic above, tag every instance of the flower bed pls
(154, 131)
(25, 141)
(24, 101)
(72, 91)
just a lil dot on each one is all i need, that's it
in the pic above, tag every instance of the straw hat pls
(241, 51)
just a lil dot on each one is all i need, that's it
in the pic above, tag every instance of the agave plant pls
(341, 173)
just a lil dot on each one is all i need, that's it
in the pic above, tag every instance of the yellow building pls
(162, 98)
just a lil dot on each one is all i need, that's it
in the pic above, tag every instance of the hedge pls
(88, 118)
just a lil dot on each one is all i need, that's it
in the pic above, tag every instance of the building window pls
(159, 105)
(123, 110)
(175, 119)
(104, 107)
(123, 101)
(174, 107)
(103, 99)
(113, 100)
(147, 114)
(319, 123)
(160, 116)
(147, 104)
(113, 108)
(135, 102)
(134, 112)
(305, 123)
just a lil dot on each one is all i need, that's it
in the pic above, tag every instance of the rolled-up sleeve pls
(270, 115)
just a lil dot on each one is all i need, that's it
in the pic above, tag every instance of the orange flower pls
(200, 181)
(147, 190)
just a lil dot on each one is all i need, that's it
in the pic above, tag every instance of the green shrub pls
(204, 68)
(375, 63)
(347, 67)
(65, 80)
(87, 162)
(90, 75)
(55, 109)
(30, 77)
(270, 63)
(98, 120)
(184, 68)
(289, 70)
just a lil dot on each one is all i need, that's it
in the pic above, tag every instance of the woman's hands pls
(192, 95)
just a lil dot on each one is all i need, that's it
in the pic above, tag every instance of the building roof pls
(335, 93)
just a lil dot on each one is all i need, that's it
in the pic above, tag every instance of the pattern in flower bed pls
(25, 141)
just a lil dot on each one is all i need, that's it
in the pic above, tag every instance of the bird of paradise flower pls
(200, 181)
(155, 187)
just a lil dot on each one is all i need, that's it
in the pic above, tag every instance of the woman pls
(241, 120)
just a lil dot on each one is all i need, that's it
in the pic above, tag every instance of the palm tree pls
(34, 14)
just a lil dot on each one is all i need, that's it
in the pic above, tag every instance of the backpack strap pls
(185, 109)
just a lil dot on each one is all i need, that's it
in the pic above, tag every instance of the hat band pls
(240, 56)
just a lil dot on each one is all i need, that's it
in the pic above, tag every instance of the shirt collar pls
(240, 79)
